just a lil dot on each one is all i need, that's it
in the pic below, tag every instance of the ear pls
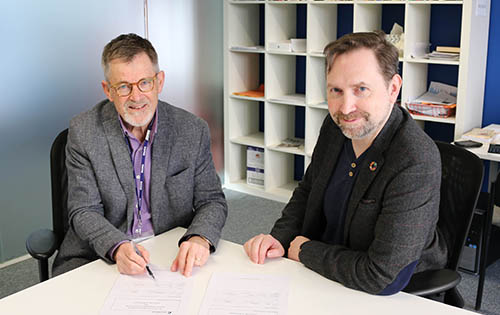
(161, 80)
(106, 89)
(395, 87)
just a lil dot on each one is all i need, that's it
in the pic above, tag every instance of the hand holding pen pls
(147, 264)
(131, 259)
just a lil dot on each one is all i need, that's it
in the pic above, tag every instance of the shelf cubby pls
(280, 174)
(282, 122)
(285, 79)
(294, 104)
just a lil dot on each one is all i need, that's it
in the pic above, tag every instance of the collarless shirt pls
(338, 192)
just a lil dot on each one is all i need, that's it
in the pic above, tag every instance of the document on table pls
(141, 294)
(249, 294)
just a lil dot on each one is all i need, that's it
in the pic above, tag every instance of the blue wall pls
(491, 110)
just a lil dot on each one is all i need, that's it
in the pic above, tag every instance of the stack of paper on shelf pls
(445, 53)
(248, 48)
(292, 143)
(439, 101)
(489, 134)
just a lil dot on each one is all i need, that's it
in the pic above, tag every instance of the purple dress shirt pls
(136, 155)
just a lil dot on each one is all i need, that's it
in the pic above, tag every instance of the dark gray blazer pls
(185, 189)
(392, 211)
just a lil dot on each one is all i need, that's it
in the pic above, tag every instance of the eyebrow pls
(358, 84)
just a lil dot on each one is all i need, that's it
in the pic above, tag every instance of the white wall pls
(50, 61)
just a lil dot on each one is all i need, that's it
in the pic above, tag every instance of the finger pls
(204, 257)
(134, 258)
(181, 257)
(175, 264)
(201, 257)
(254, 251)
(264, 247)
(275, 252)
(191, 256)
(127, 266)
(144, 253)
(128, 261)
(247, 247)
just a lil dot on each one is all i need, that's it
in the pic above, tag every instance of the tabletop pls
(84, 290)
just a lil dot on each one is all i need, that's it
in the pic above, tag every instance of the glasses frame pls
(114, 87)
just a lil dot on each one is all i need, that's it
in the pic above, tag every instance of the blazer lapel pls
(371, 165)
(121, 156)
(334, 143)
(162, 148)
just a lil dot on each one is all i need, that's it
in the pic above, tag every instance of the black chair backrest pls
(59, 182)
(461, 181)
(495, 190)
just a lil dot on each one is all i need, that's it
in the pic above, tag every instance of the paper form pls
(136, 295)
(249, 294)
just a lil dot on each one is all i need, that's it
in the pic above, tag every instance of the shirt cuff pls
(111, 252)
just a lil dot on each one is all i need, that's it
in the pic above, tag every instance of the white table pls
(482, 153)
(84, 290)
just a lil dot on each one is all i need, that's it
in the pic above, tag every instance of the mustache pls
(352, 115)
(136, 104)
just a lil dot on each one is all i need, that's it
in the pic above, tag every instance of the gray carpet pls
(247, 217)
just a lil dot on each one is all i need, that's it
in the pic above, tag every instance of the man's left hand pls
(193, 252)
(294, 250)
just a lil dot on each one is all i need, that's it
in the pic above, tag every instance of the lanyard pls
(139, 190)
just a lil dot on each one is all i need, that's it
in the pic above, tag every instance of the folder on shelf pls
(439, 101)
(252, 93)
(448, 49)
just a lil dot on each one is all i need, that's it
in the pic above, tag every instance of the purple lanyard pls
(139, 190)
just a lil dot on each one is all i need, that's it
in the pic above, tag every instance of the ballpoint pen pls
(147, 265)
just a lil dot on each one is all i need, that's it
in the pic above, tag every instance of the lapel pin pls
(373, 166)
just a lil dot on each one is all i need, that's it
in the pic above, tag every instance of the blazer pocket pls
(179, 186)
(177, 173)
(367, 201)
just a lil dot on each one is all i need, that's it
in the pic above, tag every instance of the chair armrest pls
(41, 244)
(432, 281)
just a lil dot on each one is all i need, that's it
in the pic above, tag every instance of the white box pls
(299, 44)
(255, 166)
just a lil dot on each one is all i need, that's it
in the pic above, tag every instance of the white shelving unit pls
(264, 122)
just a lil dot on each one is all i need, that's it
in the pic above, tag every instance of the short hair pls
(126, 47)
(386, 53)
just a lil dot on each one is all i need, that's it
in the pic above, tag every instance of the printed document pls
(140, 294)
(249, 294)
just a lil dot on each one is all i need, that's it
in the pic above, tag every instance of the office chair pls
(42, 244)
(462, 176)
(494, 200)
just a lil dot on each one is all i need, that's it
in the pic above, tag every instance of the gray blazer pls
(392, 211)
(185, 189)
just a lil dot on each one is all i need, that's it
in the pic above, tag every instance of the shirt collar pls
(154, 128)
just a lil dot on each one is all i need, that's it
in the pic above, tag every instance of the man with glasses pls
(138, 167)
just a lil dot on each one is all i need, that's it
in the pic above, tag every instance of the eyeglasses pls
(144, 85)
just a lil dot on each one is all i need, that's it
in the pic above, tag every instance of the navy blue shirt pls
(335, 203)
(338, 192)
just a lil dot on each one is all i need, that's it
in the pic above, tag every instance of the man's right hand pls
(260, 247)
(128, 261)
